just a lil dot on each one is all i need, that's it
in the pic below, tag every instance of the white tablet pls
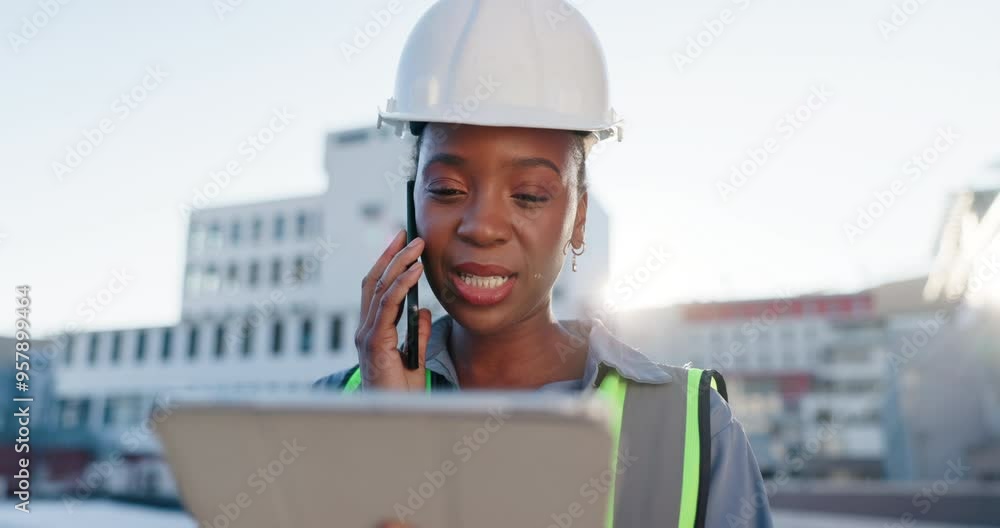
(448, 460)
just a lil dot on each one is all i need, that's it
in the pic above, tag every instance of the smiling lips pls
(482, 284)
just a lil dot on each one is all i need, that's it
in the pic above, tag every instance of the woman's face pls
(501, 203)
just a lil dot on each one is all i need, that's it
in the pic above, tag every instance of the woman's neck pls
(532, 353)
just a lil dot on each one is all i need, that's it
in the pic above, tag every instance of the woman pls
(501, 196)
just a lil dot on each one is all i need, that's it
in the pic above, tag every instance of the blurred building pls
(897, 381)
(270, 300)
(805, 374)
(48, 453)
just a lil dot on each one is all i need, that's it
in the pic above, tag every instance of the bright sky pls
(781, 230)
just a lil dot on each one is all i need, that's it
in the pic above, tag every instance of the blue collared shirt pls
(604, 351)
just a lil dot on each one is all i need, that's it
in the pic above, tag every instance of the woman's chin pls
(479, 319)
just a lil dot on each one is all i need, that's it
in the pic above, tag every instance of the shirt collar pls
(605, 352)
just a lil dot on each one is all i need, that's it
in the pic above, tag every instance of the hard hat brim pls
(505, 117)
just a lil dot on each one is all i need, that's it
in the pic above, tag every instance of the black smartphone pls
(412, 358)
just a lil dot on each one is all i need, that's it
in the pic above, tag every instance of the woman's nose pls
(486, 221)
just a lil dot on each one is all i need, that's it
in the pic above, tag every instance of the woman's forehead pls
(449, 134)
(508, 146)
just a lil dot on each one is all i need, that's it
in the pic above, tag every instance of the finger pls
(368, 284)
(425, 335)
(397, 266)
(390, 304)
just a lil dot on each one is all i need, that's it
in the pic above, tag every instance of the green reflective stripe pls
(692, 453)
(613, 388)
(354, 382)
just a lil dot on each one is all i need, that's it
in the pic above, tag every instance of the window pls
(116, 347)
(140, 346)
(305, 338)
(300, 225)
(276, 271)
(232, 277)
(826, 354)
(192, 278)
(123, 410)
(335, 333)
(234, 233)
(68, 355)
(276, 338)
(92, 353)
(253, 274)
(166, 344)
(193, 342)
(220, 340)
(196, 237)
(85, 405)
(311, 275)
(279, 227)
(211, 278)
(109, 411)
(132, 407)
(255, 228)
(299, 269)
(61, 405)
(73, 413)
(214, 235)
(247, 335)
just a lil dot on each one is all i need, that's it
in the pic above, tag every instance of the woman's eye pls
(444, 191)
(533, 198)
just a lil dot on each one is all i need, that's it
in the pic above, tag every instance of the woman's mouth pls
(482, 290)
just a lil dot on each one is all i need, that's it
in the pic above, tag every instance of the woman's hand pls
(383, 292)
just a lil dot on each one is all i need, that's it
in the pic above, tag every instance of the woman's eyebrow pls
(537, 161)
(455, 160)
(446, 159)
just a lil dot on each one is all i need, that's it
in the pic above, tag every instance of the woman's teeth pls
(483, 282)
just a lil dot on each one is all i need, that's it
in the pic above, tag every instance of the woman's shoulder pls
(721, 415)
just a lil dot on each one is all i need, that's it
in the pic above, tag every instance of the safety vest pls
(664, 426)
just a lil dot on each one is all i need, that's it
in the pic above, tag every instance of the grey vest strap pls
(648, 490)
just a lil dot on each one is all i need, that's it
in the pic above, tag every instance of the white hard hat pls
(523, 63)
